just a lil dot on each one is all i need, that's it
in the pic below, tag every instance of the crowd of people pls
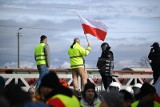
(50, 92)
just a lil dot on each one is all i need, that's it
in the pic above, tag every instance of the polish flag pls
(94, 27)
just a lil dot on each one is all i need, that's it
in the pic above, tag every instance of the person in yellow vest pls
(76, 53)
(147, 93)
(55, 94)
(42, 57)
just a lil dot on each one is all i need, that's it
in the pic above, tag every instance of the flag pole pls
(87, 39)
(82, 28)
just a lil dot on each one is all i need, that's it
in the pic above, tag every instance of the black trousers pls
(156, 74)
(106, 78)
(156, 71)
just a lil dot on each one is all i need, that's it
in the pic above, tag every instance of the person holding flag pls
(76, 53)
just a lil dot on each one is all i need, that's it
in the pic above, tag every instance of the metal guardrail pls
(126, 79)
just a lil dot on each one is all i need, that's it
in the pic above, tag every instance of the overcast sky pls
(133, 25)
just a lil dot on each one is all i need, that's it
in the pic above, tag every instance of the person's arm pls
(84, 52)
(112, 60)
(47, 54)
(150, 56)
(109, 60)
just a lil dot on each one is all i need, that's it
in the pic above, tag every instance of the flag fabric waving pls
(94, 27)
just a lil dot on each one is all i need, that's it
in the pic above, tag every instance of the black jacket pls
(154, 56)
(106, 61)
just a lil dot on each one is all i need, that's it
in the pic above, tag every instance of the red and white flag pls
(94, 27)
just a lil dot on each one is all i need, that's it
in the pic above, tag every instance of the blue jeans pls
(43, 70)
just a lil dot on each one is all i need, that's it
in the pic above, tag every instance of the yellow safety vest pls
(135, 104)
(39, 54)
(76, 55)
(66, 100)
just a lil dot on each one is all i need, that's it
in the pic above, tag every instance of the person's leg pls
(106, 79)
(43, 70)
(103, 78)
(155, 77)
(154, 69)
(75, 80)
(83, 74)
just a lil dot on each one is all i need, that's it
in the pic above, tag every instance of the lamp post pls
(18, 35)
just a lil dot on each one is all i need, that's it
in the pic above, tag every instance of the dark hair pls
(72, 45)
(74, 42)
(147, 89)
(43, 37)
(15, 95)
(113, 99)
(50, 80)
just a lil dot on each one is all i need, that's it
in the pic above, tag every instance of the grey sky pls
(133, 25)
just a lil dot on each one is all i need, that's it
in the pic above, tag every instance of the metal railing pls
(125, 79)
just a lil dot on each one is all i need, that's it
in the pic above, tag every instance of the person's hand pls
(89, 45)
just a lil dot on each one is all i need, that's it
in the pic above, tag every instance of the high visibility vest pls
(76, 55)
(135, 104)
(61, 100)
(39, 54)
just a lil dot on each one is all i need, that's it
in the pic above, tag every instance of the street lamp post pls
(18, 34)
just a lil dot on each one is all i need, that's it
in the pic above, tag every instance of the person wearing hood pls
(89, 96)
(55, 94)
(147, 93)
(154, 57)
